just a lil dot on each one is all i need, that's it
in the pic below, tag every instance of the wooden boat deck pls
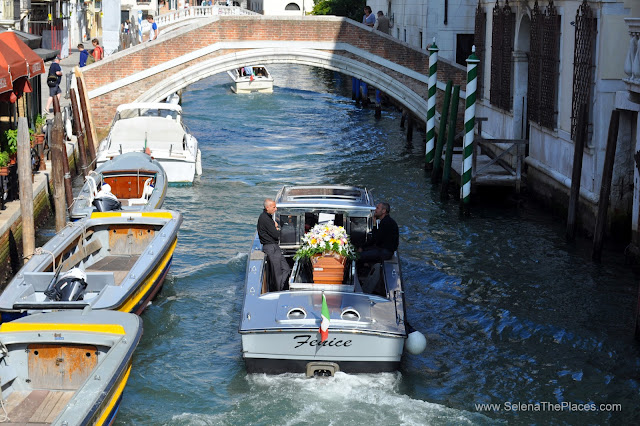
(36, 407)
(119, 265)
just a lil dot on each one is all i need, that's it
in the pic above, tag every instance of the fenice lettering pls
(306, 339)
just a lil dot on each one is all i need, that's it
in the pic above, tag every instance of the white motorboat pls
(251, 79)
(158, 130)
(366, 309)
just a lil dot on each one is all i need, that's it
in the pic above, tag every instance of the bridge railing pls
(200, 12)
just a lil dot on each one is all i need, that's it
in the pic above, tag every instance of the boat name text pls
(306, 339)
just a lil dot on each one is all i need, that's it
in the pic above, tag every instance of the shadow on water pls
(512, 313)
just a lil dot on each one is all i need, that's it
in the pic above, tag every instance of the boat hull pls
(280, 351)
(109, 286)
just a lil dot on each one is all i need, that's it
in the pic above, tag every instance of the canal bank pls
(11, 256)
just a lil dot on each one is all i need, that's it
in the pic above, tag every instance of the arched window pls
(292, 6)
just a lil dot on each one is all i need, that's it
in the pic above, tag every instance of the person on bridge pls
(98, 53)
(385, 237)
(382, 23)
(269, 234)
(369, 19)
(153, 31)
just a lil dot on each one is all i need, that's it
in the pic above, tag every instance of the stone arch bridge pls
(151, 71)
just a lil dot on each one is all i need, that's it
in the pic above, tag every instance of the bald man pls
(269, 234)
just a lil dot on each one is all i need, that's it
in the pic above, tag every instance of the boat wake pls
(342, 399)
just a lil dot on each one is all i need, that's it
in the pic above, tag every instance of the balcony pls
(632, 61)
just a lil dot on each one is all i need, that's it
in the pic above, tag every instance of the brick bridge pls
(151, 71)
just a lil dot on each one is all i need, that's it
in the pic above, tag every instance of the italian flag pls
(324, 325)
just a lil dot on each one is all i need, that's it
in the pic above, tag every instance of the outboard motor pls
(69, 287)
(105, 201)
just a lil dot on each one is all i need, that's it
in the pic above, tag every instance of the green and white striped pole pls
(469, 124)
(431, 102)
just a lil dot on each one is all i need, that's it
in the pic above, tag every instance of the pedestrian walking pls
(84, 55)
(53, 81)
(98, 53)
(153, 30)
(382, 23)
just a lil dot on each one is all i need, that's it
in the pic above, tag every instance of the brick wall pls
(247, 28)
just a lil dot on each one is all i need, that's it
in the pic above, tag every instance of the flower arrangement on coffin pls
(328, 247)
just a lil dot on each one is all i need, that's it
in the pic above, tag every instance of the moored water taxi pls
(66, 368)
(110, 260)
(158, 130)
(365, 309)
(136, 182)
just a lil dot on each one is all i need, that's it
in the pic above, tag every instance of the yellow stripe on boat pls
(104, 415)
(144, 288)
(13, 327)
(102, 215)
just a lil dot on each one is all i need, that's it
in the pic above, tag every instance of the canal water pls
(513, 314)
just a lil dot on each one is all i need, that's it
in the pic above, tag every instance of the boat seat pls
(147, 190)
(96, 281)
(371, 280)
(81, 253)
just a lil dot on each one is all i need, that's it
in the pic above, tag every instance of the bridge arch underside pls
(406, 90)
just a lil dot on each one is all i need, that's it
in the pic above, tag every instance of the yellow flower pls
(313, 241)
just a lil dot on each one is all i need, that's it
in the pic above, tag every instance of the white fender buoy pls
(415, 343)
(199, 163)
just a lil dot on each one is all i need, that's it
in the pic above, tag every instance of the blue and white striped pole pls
(140, 26)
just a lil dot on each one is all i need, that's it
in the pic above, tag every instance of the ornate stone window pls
(479, 42)
(583, 63)
(544, 60)
(501, 55)
(292, 6)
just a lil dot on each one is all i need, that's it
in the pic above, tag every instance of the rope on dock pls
(431, 102)
(469, 124)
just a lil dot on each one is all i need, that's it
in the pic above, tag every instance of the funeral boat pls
(66, 368)
(110, 260)
(130, 182)
(157, 129)
(251, 79)
(366, 309)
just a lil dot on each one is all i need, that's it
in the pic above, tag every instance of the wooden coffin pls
(328, 268)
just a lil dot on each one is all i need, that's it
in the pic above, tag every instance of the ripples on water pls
(511, 312)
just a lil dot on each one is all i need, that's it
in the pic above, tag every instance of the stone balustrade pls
(200, 12)
(632, 61)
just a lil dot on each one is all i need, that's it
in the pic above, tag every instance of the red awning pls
(5, 80)
(10, 41)
(12, 61)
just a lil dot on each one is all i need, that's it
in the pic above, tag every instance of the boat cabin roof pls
(324, 197)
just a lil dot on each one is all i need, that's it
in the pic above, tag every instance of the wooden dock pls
(491, 169)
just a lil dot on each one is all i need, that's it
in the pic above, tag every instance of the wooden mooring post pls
(68, 190)
(605, 186)
(78, 132)
(378, 112)
(437, 157)
(25, 178)
(86, 116)
(576, 175)
(57, 158)
(444, 186)
(409, 127)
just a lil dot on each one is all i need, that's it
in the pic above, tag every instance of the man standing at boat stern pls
(385, 237)
(269, 234)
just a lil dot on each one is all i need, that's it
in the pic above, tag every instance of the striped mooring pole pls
(469, 124)
(431, 102)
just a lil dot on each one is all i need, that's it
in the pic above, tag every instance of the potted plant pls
(327, 247)
(39, 133)
(4, 163)
(11, 136)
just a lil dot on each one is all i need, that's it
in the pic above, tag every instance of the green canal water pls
(512, 313)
